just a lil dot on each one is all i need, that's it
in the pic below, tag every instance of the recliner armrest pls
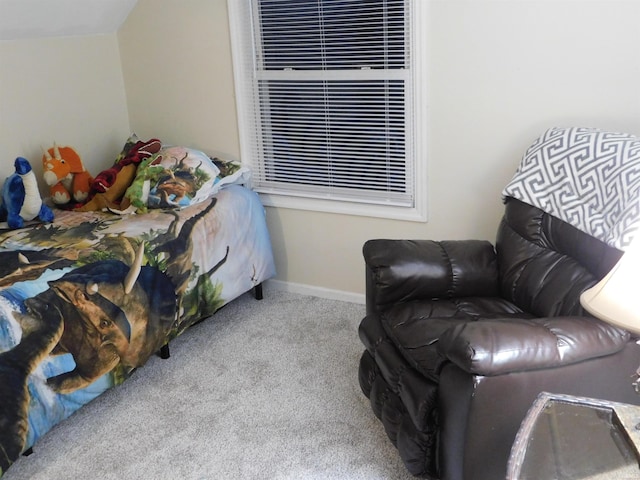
(499, 346)
(404, 270)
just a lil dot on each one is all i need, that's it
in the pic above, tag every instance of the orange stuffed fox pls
(65, 175)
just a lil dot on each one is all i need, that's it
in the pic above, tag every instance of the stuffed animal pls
(110, 185)
(65, 175)
(21, 199)
(135, 198)
(112, 195)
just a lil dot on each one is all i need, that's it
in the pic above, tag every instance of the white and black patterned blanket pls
(587, 177)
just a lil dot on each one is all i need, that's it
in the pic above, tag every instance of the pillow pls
(175, 177)
(231, 172)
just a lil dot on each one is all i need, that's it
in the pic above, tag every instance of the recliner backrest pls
(544, 263)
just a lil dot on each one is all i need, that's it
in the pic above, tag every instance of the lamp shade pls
(616, 298)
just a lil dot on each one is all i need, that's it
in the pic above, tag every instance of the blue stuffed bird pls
(21, 199)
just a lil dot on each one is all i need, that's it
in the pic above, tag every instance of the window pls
(327, 103)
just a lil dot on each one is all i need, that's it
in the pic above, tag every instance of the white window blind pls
(327, 87)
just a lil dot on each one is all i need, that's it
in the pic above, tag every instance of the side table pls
(566, 438)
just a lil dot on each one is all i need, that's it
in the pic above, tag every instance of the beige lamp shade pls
(616, 298)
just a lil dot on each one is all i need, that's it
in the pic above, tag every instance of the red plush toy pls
(140, 150)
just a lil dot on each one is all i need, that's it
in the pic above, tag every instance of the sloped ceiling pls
(21, 19)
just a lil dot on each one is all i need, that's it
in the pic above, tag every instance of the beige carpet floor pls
(263, 390)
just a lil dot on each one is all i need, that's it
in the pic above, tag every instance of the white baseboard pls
(279, 285)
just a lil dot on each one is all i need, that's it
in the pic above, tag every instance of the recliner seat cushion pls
(415, 327)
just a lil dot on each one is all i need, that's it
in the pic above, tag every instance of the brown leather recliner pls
(461, 337)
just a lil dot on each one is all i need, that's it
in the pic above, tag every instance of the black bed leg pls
(257, 292)
(164, 351)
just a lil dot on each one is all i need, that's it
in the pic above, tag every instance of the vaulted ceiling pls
(20, 19)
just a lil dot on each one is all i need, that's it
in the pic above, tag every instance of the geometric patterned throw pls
(587, 177)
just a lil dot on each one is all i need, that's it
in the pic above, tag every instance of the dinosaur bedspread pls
(87, 299)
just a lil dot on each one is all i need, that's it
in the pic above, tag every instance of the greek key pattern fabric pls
(587, 177)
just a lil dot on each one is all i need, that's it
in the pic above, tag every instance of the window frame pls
(241, 40)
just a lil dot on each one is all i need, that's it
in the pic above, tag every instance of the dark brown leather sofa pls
(461, 337)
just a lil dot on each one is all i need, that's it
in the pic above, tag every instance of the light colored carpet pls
(263, 390)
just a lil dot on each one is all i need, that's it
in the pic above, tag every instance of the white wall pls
(501, 72)
(69, 90)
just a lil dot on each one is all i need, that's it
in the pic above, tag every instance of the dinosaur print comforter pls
(88, 298)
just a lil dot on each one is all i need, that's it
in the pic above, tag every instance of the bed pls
(87, 299)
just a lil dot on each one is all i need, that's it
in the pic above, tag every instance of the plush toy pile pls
(144, 175)
(109, 186)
